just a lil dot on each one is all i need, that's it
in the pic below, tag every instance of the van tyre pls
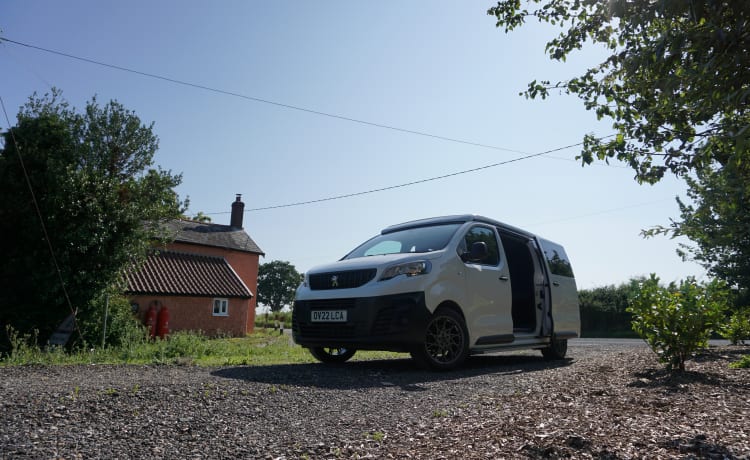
(332, 355)
(556, 350)
(446, 342)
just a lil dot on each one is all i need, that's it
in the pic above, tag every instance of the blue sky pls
(438, 67)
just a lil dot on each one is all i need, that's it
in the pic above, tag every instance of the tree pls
(603, 309)
(201, 217)
(277, 284)
(79, 186)
(676, 84)
(718, 223)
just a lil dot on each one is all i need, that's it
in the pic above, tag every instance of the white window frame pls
(222, 304)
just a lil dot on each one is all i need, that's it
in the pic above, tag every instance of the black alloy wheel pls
(446, 342)
(332, 354)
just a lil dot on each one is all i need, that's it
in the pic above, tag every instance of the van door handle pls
(503, 278)
(555, 283)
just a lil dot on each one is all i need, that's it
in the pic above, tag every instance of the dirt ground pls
(606, 401)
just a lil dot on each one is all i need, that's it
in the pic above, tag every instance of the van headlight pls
(418, 267)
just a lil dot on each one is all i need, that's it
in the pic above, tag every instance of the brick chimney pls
(238, 211)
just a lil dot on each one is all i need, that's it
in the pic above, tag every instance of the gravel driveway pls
(606, 401)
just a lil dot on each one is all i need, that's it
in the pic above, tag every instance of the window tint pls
(486, 235)
(384, 247)
(557, 259)
(420, 239)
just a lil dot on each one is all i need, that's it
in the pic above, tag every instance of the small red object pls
(162, 323)
(151, 320)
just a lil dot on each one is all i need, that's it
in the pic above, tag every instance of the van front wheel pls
(556, 350)
(446, 342)
(332, 355)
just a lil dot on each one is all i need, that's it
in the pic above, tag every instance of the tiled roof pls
(222, 236)
(176, 273)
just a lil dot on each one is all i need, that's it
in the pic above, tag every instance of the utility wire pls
(28, 68)
(407, 184)
(266, 101)
(73, 311)
(314, 112)
(261, 100)
(598, 213)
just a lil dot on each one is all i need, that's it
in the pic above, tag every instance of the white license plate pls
(328, 316)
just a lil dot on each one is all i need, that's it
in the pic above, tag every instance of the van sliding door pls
(563, 294)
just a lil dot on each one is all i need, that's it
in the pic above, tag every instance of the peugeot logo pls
(334, 281)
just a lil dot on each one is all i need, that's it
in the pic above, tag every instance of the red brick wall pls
(243, 263)
(196, 314)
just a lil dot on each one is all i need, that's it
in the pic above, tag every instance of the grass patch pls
(743, 363)
(262, 348)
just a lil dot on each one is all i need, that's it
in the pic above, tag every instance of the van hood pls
(379, 261)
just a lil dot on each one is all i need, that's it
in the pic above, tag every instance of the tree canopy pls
(80, 186)
(676, 86)
(676, 83)
(717, 221)
(277, 284)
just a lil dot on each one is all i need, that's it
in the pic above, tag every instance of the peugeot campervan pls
(441, 289)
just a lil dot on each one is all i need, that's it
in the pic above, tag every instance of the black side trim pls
(496, 339)
(564, 335)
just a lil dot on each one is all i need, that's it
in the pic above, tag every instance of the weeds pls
(262, 348)
(377, 436)
(743, 363)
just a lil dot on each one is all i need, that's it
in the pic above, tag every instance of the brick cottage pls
(206, 277)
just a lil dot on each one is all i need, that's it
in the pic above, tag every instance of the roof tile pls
(207, 234)
(177, 273)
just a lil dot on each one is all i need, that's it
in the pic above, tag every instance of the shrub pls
(743, 363)
(676, 321)
(737, 328)
(121, 326)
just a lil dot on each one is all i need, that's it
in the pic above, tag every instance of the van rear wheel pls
(446, 342)
(557, 350)
(332, 354)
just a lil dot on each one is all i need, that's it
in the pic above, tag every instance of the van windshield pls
(413, 240)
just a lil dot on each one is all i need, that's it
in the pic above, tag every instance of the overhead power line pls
(525, 156)
(407, 184)
(260, 100)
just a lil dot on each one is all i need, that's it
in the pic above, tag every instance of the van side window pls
(486, 235)
(557, 259)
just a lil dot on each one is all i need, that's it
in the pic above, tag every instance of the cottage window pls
(221, 307)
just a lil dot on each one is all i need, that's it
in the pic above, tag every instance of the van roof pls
(457, 219)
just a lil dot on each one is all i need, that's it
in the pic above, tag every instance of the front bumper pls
(392, 322)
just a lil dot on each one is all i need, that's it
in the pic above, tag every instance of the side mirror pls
(477, 252)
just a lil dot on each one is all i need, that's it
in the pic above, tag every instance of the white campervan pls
(441, 289)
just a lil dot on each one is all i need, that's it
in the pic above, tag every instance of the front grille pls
(329, 304)
(341, 280)
(327, 331)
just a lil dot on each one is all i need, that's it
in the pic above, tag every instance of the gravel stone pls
(604, 402)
